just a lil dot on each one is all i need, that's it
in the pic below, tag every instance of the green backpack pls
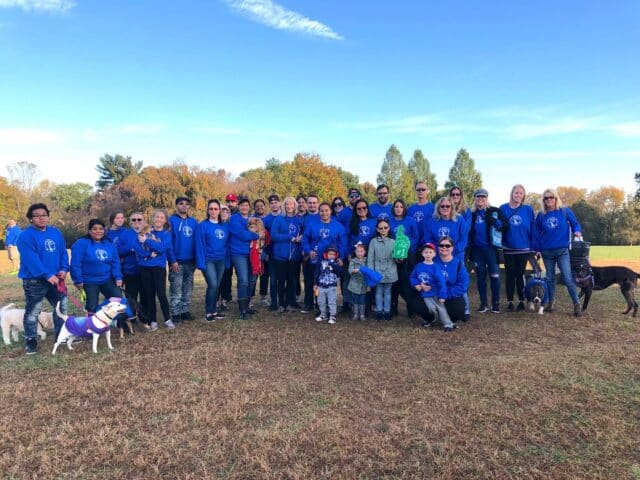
(402, 244)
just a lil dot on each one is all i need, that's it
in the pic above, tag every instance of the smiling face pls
(159, 219)
(302, 206)
(517, 196)
(259, 208)
(422, 191)
(398, 210)
(96, 232)
(480, 201)
(213, 211)
(118, 220)
(445, 208)
(312, 204)
(325, 212)
(456, 195)
(383, 195)
(289, 206)
(243, 208)
(361, 210)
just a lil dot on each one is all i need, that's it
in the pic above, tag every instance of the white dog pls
(95, 325)
(12, 321)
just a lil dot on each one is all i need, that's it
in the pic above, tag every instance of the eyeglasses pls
(39, 216)
(214, 208)
(382, 193)
(136, 219)
(421, 189)
(549, 198)
(445, 245)
(445, 206)
(456, 194)
(383, 228)
(361, 209)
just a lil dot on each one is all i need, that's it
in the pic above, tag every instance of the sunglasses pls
(136, 219)
(445, 206)
(383, 228)
(360, 209)
(549, 198)
(354, 195)
(457, 194)
(421, 189)
(338, 204)
(445, 245)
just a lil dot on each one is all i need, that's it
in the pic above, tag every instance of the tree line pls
(607, 215)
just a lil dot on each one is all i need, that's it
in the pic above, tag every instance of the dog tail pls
(60, 314)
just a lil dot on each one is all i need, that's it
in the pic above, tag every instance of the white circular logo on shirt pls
(418, 216)
(443, 232)
(293, 229)
(552, 222)
(50, 245)
(383, 216)
(101, 254)
(480, 219)
(423, 277)
(364, 230)
(187, 231)
(219, 233)
(515, 220)
(324, 233)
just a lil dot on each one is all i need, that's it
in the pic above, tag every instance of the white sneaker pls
(332, 320)
(154, 326)
(320, 318)
(265, 301)
(170, 325)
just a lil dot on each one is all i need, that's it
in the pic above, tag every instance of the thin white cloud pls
(141, 129)
(628, 129)
(273, 15)
(28, 136)
(39, 5)
(238, 132)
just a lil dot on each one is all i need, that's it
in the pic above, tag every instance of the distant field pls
(616, 255)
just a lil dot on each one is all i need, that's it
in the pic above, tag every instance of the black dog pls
(590, 278)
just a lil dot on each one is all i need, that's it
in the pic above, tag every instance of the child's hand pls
(356, 270)
(442, 300)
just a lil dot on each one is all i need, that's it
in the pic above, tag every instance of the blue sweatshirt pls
(183, 231)
(319, 236)
(94, 263)
(344, 217)
(554, 229)
(519, 236)
(43, 253)
(381, 212)
(239, 235)
(455, 275)
(429, 275)
(283, 230)
(11, 236)
(479, 236)
(212, 242)
(435, 229)
(114, 235)
(127, 240)
(411, 230)
(420, 213)
(162, 246)
(366, 231)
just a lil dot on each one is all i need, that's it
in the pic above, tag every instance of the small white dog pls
(12, 322)
(95, 325)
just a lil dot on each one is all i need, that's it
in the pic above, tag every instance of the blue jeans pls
(93, 291)
(559, 256)
(35, 291)
(246, 281)
(213, 275)
(383, 297)
(181, 288)
(486, 261)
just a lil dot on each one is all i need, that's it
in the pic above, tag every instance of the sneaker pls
(210, 317)
(154, 326)
(223, 305)
(265, 301)
(466, 317)
(495, 309)
(577, 309)
(387, 316)
(281, 309)
(428, 323)
(169, 324)
(320, 318)
(291, 309)
(450, 328)
(379, 316)
(520, 307)
(510, 307)
(31, 346)
(306, 309)
(218, 316)
(332, 320)
(483, 308)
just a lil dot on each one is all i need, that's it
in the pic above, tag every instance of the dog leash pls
(62, 289)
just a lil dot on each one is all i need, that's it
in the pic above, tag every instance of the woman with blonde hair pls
(554, 227)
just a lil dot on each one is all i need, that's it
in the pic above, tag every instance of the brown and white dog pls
(256, 225)
(12, 322)
(94, 325)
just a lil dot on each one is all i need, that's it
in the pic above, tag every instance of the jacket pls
(380, 258)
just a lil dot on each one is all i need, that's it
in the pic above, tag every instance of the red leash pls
(62, 289)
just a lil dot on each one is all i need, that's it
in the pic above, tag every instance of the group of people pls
(348, 245)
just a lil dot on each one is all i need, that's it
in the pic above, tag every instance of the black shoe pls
(379, 316)
(210, 317)
(483, 308)
(495, 308)
(451, 328)
(510, 307)
(251, 311)
(186, 316)
(218, 316)
(466, 317)
(520, 307)
(428, 323)
(31, 346)
(387, 316)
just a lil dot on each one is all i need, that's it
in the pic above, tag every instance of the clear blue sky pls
(543, 93)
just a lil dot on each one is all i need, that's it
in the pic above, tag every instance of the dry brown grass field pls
(504, 397)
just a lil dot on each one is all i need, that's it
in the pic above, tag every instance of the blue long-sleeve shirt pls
(381, 212)
(239, 235)
(431, 275)
(162, 246)
(411, 230)
(11, 236)
(319, 236)
(43, 253)
(420, 213)
(212, 242)
(455, 275)
(283, 231)
(434, 229)
(519, 236)
(366, 231)
(94, 263)
(553, 229)
(344, 217)
(183, 231)
(127, 240)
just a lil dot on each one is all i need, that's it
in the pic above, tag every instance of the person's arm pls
(575, 225)
(77, 255)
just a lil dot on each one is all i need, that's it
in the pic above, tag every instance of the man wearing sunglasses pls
(422, 210)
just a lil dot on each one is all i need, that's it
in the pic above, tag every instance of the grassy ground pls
(505, 396)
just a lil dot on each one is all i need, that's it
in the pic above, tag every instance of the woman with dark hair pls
(338, 208)
(362, 227)
(116, 226)
(555, 226)
(95, 266)
(399, 217)
(457, 198)
(517, 243)
(456, 277)
(212, 243)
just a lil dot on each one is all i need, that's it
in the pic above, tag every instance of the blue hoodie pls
(344, 217)
(94, 263)
(420, 213)
(456, 276)
(161, 246)
(183, 231)
(432, 276)
(43, 253)
(435, 229)
(127, 240)
(11, 236)
(519, 236)
(319, 236)
(239, 235)
(283, 230)
(553, 229)
(115, 234)
(411, 230)
(366, 231)
(212, 242)
(381, 212)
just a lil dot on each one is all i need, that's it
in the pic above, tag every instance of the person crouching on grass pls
(427, 279)
(326, 279)
(357, 283)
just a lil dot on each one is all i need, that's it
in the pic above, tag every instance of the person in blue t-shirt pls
(517, 242)
(44, 265)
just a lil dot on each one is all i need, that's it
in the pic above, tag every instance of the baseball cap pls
(231, 198)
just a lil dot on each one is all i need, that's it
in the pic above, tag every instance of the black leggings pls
(514, 266)
(286, 278)
(154, 283)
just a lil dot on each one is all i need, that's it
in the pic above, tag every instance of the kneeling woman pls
(95, 265)
(456, 277)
